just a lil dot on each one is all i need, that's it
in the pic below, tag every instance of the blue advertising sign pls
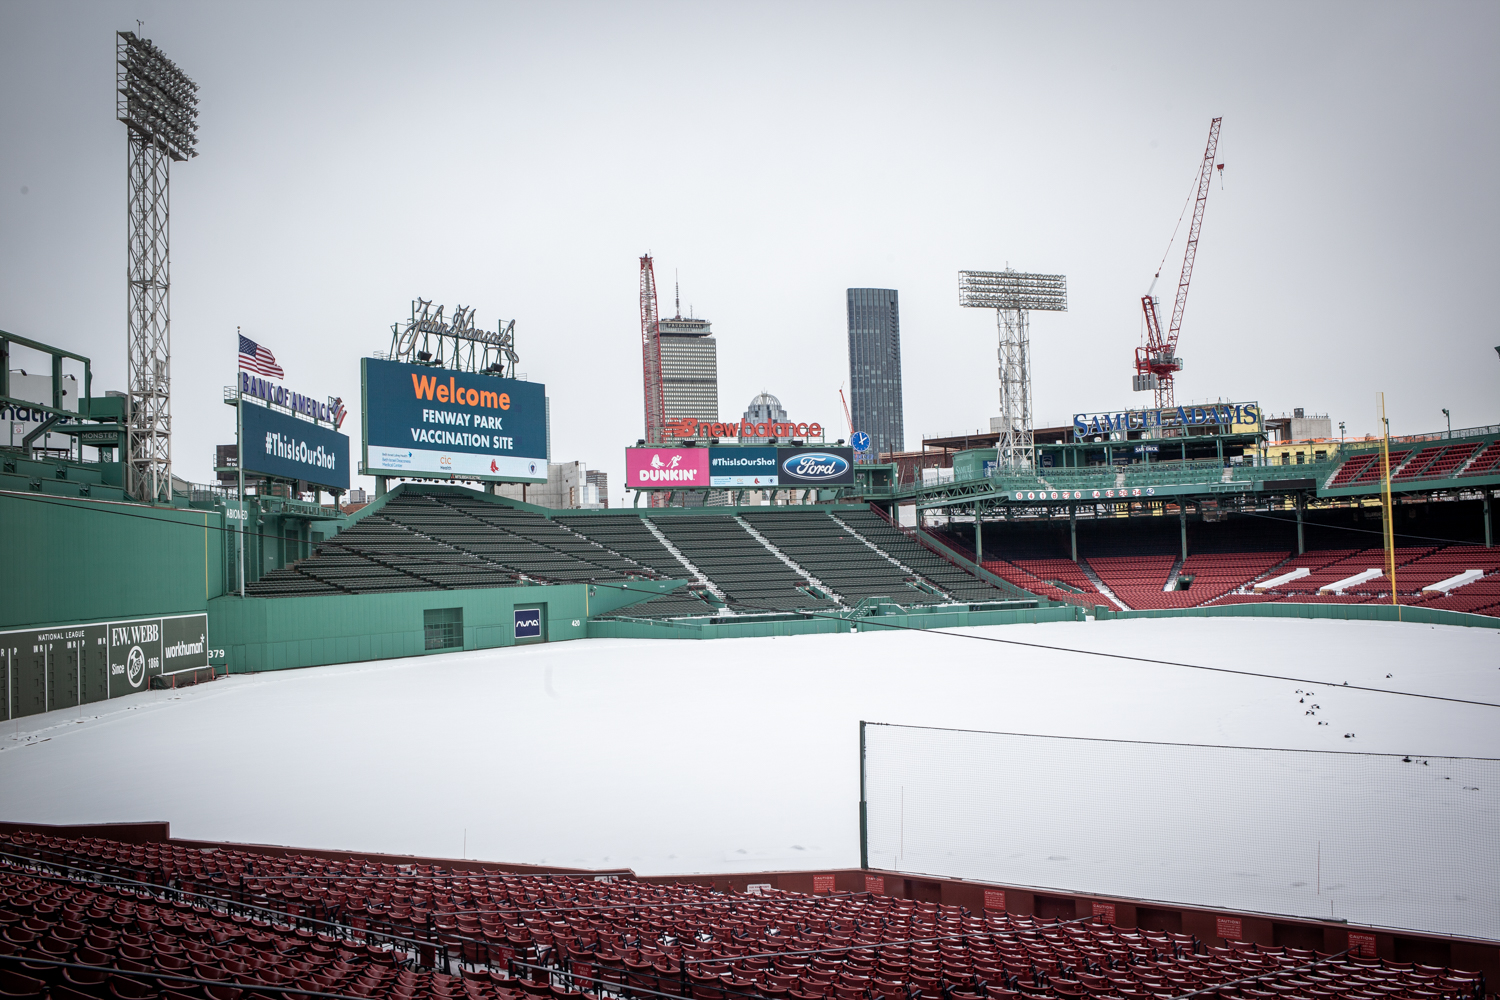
(278, 444)
(753, 467)
(528, 623)
(816, 466)
(860, 440)
(423, 421)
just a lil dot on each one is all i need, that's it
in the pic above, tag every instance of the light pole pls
(1341, 432)
(1447, 416)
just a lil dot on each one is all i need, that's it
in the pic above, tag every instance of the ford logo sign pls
(815, 465)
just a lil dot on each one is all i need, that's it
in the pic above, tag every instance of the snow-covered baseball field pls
(743, 754)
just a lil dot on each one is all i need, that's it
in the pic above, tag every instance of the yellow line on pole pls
(1385, 499)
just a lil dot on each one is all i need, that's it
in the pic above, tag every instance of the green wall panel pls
(89, 560)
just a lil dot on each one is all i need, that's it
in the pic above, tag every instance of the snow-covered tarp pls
(732, 755)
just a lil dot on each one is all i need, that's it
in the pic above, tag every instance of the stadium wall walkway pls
(704, 628)
(1341, 612)
(280, 633)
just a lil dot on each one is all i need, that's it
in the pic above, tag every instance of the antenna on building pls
(677, 284)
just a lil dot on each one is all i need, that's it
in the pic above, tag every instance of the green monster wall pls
(277, 633)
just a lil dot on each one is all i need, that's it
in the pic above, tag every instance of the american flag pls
(257, 359)
(336, 405)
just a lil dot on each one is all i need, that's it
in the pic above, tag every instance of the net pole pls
(864, 816)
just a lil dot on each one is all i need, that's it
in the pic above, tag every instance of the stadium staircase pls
(851, 566)
(802, 571)
(925, 565)
(749, 576)
(97, 919)
(630, 537)
(676, 553)
(1099, 586)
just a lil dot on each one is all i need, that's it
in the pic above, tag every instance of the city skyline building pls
(689, 368)
(875, 400)
(764, 408)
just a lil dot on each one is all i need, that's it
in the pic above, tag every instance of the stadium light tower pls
(159, 106)
(1013, 294)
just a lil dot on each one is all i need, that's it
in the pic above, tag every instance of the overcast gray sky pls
(520, 158)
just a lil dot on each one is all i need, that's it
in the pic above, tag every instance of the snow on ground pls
(714, 756)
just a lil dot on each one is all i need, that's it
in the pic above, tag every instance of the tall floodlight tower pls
(159, 106)
(1013, 294)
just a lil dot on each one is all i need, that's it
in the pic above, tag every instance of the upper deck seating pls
(1352, 468)
(1487, 462)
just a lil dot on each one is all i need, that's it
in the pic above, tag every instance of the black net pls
(1387, 840)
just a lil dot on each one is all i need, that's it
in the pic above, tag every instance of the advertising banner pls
(666, 468)
(528, 623)
(278, 444)
(147, 647)
(422, 421)
(754, 467)
(815, 466)
(1225, 418)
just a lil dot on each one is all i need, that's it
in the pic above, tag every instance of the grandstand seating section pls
(238, 925)
(837, 558)
(1220, 578)
(958, 583)
(750, 576)
(1486, 463)
(423, 541)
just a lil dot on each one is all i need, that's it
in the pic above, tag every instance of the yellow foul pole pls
(1388, 517)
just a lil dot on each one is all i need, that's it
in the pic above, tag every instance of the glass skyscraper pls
(875, 368)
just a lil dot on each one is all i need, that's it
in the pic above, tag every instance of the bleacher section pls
(123, 919)
(628, 535)
(942, 574)
(836, 557)
(751, 578)
(446, 541)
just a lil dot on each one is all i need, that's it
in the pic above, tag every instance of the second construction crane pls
(656, 415)
(1156, 361)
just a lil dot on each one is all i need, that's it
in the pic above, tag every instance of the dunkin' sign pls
(666, 468)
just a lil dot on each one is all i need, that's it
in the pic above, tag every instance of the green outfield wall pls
(90, 560)
(279, 633)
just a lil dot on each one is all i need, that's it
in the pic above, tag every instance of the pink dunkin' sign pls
(666, 468)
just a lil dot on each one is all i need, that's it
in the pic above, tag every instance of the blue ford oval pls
(815, 465)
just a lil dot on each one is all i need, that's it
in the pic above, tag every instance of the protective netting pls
(1386, 840)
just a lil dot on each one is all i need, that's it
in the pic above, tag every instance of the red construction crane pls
(656, 406)
(1156, 362)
